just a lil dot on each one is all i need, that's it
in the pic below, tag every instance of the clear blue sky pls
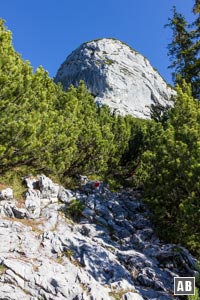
(46, 31)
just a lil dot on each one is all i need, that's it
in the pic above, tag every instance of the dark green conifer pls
(184, 49)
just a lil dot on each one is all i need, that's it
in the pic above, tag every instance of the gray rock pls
(178, 258)
(88, 213)
(6, 208)
(12, 292)
(101, 220)
(83, 179)
(20, 213)
(52, 241)
(102, 211)
(132, 296)
(146, 234)
(123, 233)
(9, 208)
(65, 195)
(48, 189)
(150, 294)
(146, 281)
(50, 215)
(6, 194)
(117, 76)
(90, 201)
(126, 224)
(31, 182)
(119, 212)
(141, 222)
(32, 203)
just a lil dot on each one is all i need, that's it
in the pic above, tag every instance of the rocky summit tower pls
(117, 76)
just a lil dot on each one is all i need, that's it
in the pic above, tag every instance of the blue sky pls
(45, 32)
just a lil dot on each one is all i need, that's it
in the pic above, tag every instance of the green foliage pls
(114, 185)
(27, 110)
(68, 253)
(196, 8)
(170, 170)
(75, 209)
(2, 269)
(135, 143)
(184, 49)
(196, 296)
(49, 130)
(117, 295)
(88, 156)
(109, 62)
(13, 179)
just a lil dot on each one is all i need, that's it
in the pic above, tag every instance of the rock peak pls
(116, 75)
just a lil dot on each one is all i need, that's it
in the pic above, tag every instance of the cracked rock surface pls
(117, 76)
(108, 251)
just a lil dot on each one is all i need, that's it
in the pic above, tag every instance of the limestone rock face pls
(117, 76)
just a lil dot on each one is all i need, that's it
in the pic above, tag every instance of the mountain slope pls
(117, 76)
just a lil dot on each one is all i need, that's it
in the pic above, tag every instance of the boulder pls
(32, 203)
(6, 194)
(65, 195)
(20, 213)
(48, 189)
(6, 208)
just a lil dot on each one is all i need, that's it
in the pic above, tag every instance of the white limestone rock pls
(132, 296)
(31, 182)
(117, 76)
(48, 189)
(6, 194)
(33, 203)
(6, 208)
(65, 195)
(11, 292)
(20, 213)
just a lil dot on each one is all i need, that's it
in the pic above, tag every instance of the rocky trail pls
(106, 250)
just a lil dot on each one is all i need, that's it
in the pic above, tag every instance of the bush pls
(75, 209)
(196, 296)
(170, 170)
